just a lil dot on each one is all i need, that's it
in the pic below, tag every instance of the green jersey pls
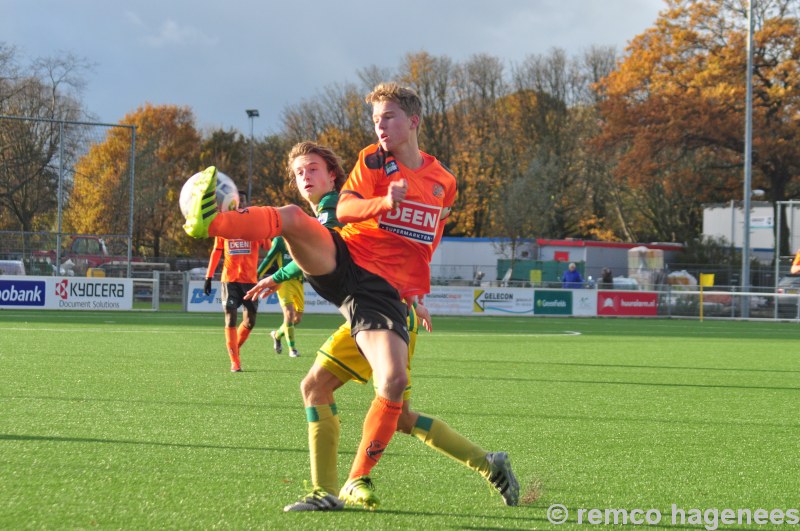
(279, 253)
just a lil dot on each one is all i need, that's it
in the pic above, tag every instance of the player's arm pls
(357, 201)
(437, 238)
(353, 207)
(264, 288)
(287, 272)
(272, 255)
(213, 261)
(423, 314)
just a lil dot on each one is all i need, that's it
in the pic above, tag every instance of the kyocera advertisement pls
(628, 303)
(70, 293)
(199, 302)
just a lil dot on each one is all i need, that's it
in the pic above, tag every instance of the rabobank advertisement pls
(22, 292)
(66, 293)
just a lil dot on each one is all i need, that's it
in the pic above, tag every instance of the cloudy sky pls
(220, 58)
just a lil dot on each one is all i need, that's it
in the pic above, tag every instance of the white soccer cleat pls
(502, 477)
(316, 500)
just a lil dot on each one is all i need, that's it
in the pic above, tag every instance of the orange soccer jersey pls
(241, 260)
(398, 245)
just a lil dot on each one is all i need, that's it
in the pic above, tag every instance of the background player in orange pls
(238, 276)
(394, 203)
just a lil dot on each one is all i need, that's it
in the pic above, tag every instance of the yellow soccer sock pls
(439, 435)
(323, 445)
(289, 334)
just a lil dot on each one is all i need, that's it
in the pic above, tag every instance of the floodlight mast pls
(251, 113)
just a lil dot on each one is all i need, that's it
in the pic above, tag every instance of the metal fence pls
(38, 165)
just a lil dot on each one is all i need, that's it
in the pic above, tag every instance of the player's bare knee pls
(307, 387)
(292, 217)
(392, 384)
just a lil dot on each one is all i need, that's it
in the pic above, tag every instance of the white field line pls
(300, 331)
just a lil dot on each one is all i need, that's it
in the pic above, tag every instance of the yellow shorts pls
(340, 356)
(291, 292)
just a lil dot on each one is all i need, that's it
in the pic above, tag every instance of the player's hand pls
(423, 314)
(207, 287)
(265, 287)
(396, 193)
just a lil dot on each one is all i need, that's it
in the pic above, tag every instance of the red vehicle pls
(81, 254)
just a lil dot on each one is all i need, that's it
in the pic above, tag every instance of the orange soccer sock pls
(243, 332)
(379, 426)
(232, 342)
(251, 223)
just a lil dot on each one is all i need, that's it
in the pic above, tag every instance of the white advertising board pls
(443, 300)
(199, 302)
(66, 293)
(584, 302)
(449, 301)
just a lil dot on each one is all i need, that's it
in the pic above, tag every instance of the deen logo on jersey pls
(238, 247)
(415, 221)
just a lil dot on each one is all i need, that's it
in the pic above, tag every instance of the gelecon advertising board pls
(66, 293)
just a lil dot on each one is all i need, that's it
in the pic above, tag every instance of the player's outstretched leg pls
(502, 477)
(203, 220)
(494, 466)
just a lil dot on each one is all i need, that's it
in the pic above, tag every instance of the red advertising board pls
(627, 303)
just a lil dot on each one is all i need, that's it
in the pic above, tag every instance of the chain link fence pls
(38, 166)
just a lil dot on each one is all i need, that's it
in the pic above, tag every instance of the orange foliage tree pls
(673, 112)
(167, 153)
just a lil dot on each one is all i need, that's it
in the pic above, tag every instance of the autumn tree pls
(338, 118)
(167, 153)
(272, 185)
(46, 94)
(674, 109)
(229, 151)
(548, 117)
(478, 159)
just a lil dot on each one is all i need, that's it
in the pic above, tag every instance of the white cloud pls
(172, 33)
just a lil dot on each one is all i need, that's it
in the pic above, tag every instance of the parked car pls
(80, 254)
(788, 290)
(789, 285)
(12, 267)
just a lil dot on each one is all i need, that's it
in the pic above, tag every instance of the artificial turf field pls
(133, 421)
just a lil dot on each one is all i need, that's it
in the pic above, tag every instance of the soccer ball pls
(227, 193)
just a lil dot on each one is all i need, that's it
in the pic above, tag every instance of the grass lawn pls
(132, 420)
